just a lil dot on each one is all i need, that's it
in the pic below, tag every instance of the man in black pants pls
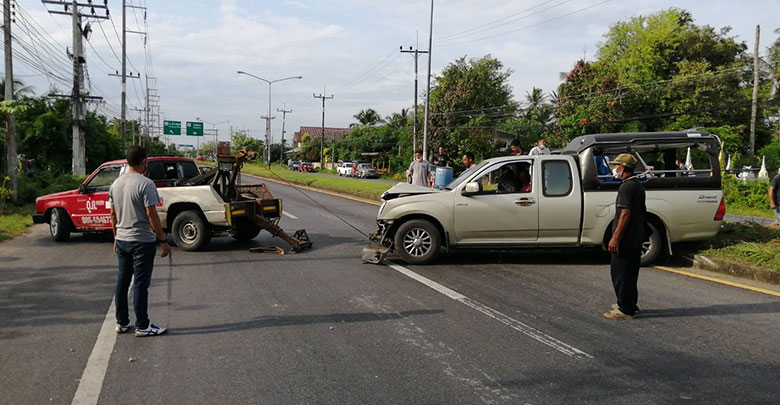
(628, 233)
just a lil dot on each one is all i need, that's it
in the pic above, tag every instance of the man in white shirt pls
(540, 148)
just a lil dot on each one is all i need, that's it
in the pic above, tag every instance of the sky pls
(345, 48)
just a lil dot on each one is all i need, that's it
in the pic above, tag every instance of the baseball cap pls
(625, 159)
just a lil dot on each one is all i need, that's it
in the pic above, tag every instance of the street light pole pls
(216, 133)
(268, 119)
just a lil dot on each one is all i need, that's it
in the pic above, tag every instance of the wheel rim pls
(189, 232)
(54, 222)
(417, 242)
(646, 246)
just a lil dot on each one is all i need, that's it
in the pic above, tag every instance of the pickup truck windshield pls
(465, 175)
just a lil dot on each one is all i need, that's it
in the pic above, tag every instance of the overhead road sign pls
(172, 127)
(194, 128)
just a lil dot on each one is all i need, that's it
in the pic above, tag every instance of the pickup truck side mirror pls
(83, 189)
(472, 188)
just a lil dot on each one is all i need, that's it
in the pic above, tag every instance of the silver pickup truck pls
(562, 200)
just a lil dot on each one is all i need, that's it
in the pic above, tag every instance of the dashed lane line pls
(288, 215)
(527, 330)
(91, 381)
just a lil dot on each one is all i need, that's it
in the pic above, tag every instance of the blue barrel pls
(443, 176)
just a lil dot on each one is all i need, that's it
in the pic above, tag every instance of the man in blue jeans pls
(137, 232)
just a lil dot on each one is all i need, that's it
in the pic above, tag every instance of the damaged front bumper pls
(379, 246)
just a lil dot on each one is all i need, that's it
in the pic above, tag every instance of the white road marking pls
(499, 316)
(288, 215)
(91, 381)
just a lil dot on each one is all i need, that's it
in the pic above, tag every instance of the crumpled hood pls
(406, 189)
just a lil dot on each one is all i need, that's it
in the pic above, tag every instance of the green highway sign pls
(195, 128)
(172, 127)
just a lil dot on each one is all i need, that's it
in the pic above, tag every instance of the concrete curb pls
(732, 268)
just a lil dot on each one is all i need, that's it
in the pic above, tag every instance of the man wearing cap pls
(628, 233)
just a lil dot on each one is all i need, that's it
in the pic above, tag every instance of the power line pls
(487, 26)
(528, 26)
(356, 90)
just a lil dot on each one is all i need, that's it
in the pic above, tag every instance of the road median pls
(364, 190)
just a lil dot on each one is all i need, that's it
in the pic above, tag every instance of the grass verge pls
(15, 220)
(749, 212)
(747, 243)
(358, 188)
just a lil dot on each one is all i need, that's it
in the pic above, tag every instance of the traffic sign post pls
(194, 128)
(172, 127)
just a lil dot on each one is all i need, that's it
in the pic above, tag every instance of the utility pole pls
(78, 94)
(284, 119)
(124, 76)
(79, 163)
(322, 135)
(268, 119)
(754, 109)
(10, 135)
(416, 54)
(428, 93)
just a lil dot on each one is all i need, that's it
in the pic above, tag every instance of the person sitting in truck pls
(508, 181)
(524, 178)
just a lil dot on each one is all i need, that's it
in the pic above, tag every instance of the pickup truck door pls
(91, 210)
(560, 205)
(505, 212)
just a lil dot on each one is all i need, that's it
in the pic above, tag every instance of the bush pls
(45, 182)
(749, 194)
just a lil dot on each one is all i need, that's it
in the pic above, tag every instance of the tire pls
(417, 242)
(652, 247)
(191, 231)
(244, 230)
(59, 225)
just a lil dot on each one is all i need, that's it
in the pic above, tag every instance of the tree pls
(659, 72)
(470, 99)
(20, 90)
(398, 120)
(367, 117)
(241, 140)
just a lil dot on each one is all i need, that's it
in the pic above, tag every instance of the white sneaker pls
(123, 328)
(151, 330)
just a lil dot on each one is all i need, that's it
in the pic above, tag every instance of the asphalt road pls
(320, 327)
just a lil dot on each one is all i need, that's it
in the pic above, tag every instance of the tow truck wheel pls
(651, 248)
(244, 230)
(59, 225)
(417, 242)
(190, 231)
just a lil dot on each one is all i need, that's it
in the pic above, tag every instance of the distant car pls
(366, 170)
(293, 164)
(345, 169)
(305, 167)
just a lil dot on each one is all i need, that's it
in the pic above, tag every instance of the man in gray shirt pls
(419, 170)
(137, 231)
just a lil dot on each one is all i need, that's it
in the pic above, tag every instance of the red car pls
(305, 167)
(86, 209)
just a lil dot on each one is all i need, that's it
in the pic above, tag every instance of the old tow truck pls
(249, 208)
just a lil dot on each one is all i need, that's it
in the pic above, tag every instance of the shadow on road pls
(291, 320)
(737, 309)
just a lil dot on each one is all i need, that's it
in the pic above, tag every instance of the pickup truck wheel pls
(417, 242)
(190, 231)
(59, 225)
(244, 230)
(651, 248)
